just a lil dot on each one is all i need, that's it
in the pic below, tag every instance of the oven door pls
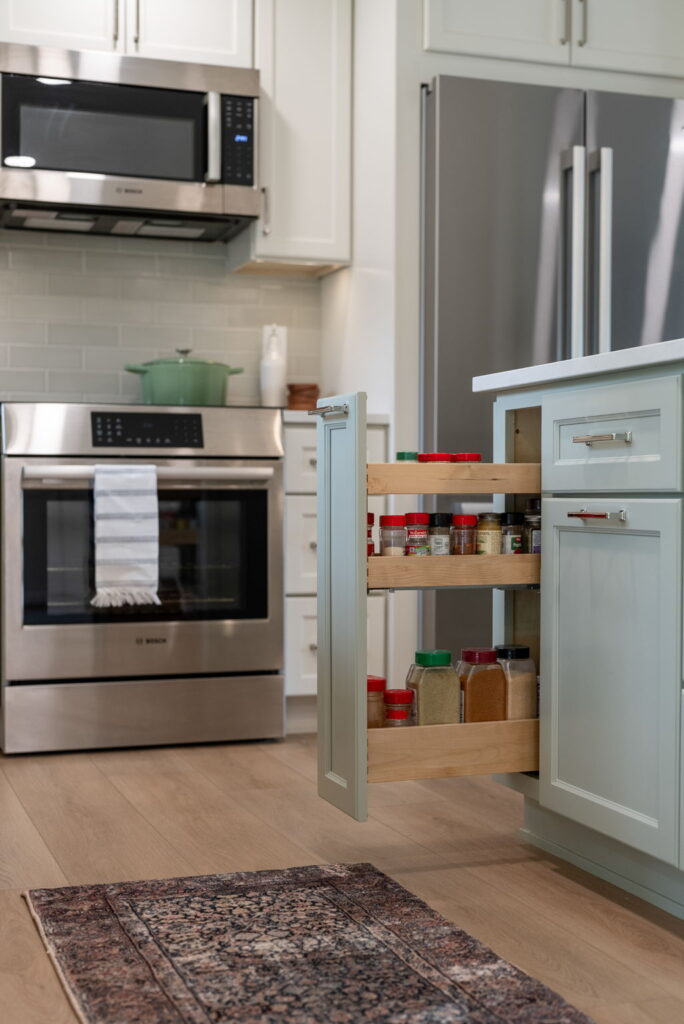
(220, 574)
(77, 143)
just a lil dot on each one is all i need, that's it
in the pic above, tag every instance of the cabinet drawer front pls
(644, 453)
(301, 642)
(611, 667)
(300, 460)
(301, 646)
(300, 544)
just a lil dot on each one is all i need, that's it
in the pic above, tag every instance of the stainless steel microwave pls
(103, 144)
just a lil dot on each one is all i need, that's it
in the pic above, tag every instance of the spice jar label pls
(440, 545)
(511, 543)
(489, 542)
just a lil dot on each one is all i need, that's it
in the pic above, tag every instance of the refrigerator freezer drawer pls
(623, 437)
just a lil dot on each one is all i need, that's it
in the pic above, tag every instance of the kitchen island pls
(600, 609)
(607, 430)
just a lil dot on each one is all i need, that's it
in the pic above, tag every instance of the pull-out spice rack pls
(350, 755)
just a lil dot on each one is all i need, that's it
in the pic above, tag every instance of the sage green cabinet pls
(611, 667)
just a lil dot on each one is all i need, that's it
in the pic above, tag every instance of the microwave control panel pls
(146, 430)
(237, 116)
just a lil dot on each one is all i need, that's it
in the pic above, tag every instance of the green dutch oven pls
(184, 381)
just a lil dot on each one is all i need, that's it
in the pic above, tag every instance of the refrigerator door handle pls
(605, 249)
(575, 163)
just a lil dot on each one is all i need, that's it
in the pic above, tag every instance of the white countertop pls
(587, 366)
(373, 419)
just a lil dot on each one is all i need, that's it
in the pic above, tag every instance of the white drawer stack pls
(300, 556)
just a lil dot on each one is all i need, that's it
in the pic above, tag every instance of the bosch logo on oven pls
(150, 639)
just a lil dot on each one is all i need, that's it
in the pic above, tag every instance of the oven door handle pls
(224, 474)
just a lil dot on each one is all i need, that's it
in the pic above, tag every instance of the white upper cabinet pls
(202, 32)
(537, 30)
(303, 53)
(71, 24)
(646, 36)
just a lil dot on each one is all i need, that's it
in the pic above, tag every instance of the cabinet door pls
(303, 51)
(72, 24)
(611, 668)
(342, 629)
(517, 29)
(204, 31)
(629, 35)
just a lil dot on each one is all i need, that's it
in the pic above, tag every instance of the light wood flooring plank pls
(93, 832)
(212, 831)
(30, 992)
(25, 859)
(653, 1011)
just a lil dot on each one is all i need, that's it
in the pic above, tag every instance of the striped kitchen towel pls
(126, 536)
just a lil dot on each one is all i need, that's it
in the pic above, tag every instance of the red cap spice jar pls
(376, 701)
(483, 684)
(370, 543)
(435, 457)
(398, 707)
(417, 537)
(467, 457)
(392, 535)
(464, 535)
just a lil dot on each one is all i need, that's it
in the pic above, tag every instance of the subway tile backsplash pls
(74, 311)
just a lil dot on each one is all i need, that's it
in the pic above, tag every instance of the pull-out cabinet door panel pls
(611, 668)
(342, 715)
(622, 437)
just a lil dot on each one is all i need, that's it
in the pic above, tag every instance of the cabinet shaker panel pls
(72, 24)
(537, 30)
(611, 667)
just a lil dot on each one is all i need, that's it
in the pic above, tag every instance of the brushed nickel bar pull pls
(327, 410)
(136, 37)
(116, 21)
(621, 516)
(582, 41)
(567, 29)
(213, 104)
(589, 439)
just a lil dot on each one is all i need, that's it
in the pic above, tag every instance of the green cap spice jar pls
(407, 456)
(437, 688)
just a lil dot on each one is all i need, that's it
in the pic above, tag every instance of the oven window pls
(93, 128)
(212, 558)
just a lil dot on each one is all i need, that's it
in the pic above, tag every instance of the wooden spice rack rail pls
(454, 478)
(453, 571)
(442, 751)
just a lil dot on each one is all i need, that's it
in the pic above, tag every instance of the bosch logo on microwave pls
(129, 191)
(150, 639)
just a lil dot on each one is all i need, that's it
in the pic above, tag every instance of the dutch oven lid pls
(182, 358)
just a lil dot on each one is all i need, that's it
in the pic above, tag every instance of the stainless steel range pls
(206, 663)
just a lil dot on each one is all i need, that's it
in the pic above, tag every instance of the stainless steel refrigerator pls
(552, 227)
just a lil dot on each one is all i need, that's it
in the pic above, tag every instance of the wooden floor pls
(106, 817)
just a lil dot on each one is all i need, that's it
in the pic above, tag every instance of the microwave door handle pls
(213, 104)
(183, 474)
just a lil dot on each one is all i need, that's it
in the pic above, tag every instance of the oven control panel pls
(146, 430)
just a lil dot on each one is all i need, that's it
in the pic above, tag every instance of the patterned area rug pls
(336, 944)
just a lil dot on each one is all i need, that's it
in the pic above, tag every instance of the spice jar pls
(464, 535)
(370, 543)
(483, 684)
(392, 535)
(417, 537)
(437, 688)
(489, 533)
(407, 456)
(398, 707)
(440, 533)
(511, 533)
(376, 701)
(435, 457)
(467, 457)
(532, 532)
(521, 680)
